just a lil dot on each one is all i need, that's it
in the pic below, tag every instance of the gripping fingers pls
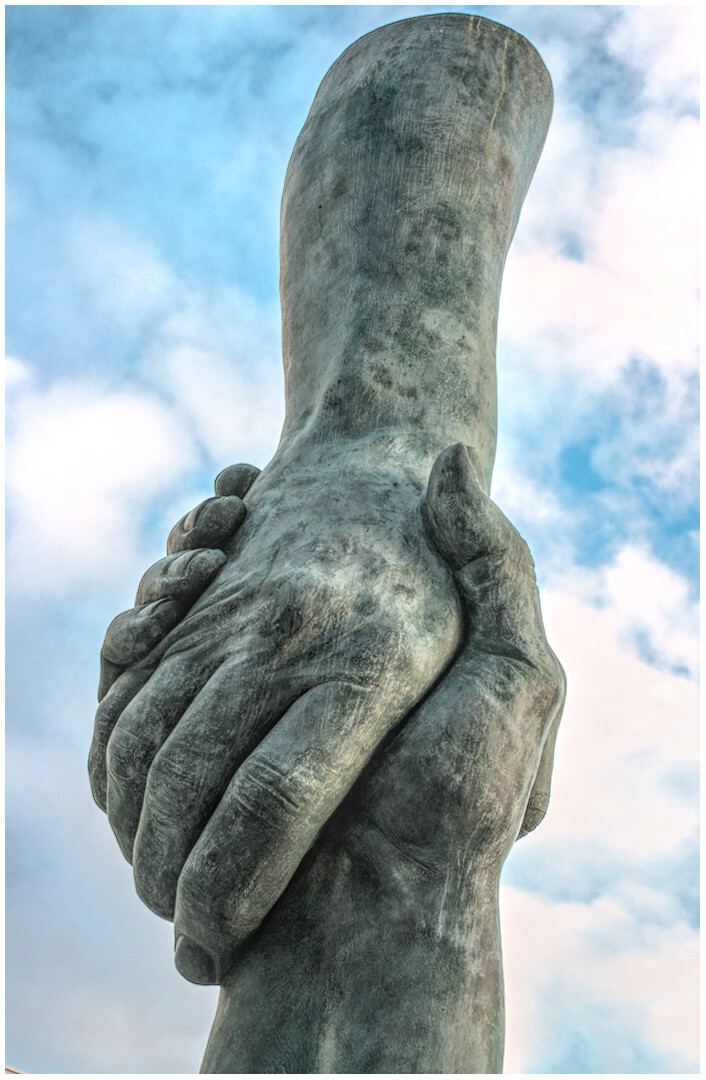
(494, 568)
(192, 562)
(132, 635)
(538, 801)
(175, 794)
(213, 522)
(209, 525)
(139, 732)
(497, 585)
(180, 577)
(164, 593)
(461, 519)
(267, 820)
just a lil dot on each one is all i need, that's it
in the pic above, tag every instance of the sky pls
(146, 150)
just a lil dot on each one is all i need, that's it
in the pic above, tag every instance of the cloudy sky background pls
(146, 153)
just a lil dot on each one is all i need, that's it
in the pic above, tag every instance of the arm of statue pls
(342, 614)
(435, 814)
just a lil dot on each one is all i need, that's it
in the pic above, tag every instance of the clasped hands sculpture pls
(333, 709)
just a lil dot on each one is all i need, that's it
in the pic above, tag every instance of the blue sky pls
(146, 149)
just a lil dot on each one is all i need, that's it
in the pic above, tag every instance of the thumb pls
(494, 567)
(462, 521)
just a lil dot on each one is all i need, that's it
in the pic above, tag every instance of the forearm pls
(400, 202)
(365, 966)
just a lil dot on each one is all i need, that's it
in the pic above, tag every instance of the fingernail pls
(207, 561)
(235, 480)
(199, 560)
(164, 606)
(194, 963)
(193, 516)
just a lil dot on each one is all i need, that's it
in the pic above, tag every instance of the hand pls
(506, 634)
(498, 708)
(243, 730)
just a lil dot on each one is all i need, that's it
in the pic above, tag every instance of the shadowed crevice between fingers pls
(139, 733)
(109, 711)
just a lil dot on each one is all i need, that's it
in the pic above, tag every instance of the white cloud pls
(628, 727)
(212, 351)
(86, 463)
(597, 961)
(518, 493)
(216, 356)
(661, 41)
(17, 372)
(120, 275)
(629, 212)
(635, 292)
(637, 597)
(82, 465)
(235, 413)
(651, 600)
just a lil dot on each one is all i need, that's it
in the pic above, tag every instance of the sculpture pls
(318, 745)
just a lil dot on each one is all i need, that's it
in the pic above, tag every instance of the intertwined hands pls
(228, 734)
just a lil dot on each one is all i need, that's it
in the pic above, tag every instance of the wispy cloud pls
(593, 988)
(77, 458)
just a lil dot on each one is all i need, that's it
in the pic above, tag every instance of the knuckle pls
(207, 524)
(155, 581)
(109, 674)
(125, 754)
(97, 776)
(107, 715)
(218, 515)
(267, 791)
(172, 786)
(551, 685)
(556, 678)
(133, 633)
(517, 555)
(199, 897)
(157, 891)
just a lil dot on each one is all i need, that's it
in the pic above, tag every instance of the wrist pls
(383, 952)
